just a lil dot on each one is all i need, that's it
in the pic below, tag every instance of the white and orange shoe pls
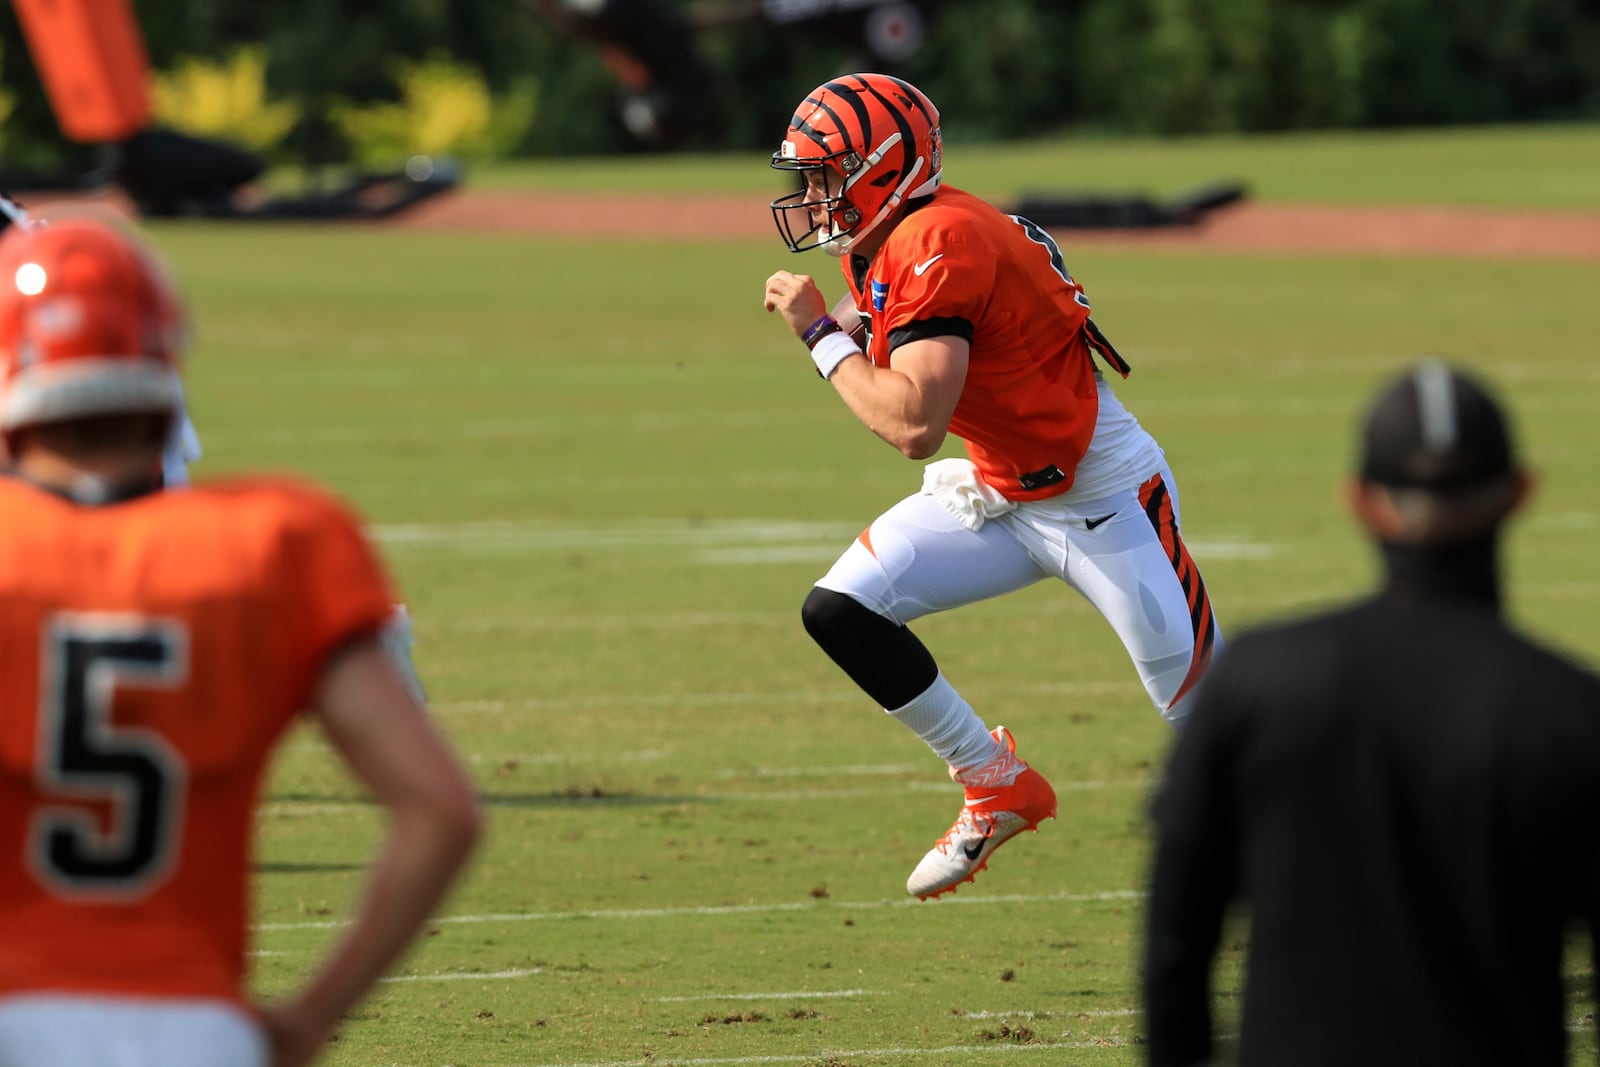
(1003, 798)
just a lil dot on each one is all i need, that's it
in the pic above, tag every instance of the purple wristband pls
(816, 330)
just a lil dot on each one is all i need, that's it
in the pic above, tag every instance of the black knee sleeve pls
(883, 658)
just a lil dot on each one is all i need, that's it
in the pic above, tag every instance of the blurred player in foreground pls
(154, 646)
(1403, 792)
(183, 443)
(182, 448)
(963, 320)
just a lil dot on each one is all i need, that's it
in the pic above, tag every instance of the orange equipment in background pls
(91, 58)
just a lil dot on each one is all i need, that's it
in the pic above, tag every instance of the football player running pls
(154, 648)
(962, 320)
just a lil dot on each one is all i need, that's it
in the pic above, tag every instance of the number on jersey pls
(1038, 236)
(133, 773)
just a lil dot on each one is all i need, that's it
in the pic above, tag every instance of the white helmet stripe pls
(890, 204)
(1436, 404)
(877, 153)
(78, 388)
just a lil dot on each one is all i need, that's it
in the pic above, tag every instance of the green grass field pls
(1546, 167)
(605, 480)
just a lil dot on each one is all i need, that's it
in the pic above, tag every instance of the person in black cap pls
(1404, 794)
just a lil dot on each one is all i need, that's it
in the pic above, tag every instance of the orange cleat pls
(1003, 798)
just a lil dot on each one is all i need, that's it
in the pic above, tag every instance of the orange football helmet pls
(89, 325)
(874, 139)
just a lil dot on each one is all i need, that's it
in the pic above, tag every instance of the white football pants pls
(1122, 552)
(48, 1030)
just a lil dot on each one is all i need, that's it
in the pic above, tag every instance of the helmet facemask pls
(823, 181)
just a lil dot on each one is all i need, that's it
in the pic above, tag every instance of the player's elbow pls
(461, 819)
(922, 443)
(910, 433)
(450, 816)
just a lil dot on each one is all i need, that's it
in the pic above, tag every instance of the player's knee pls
(833, 618)
(1166, 682)
(820, 613)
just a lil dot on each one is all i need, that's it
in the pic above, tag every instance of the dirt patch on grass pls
(1245, 227)
(1478, 233)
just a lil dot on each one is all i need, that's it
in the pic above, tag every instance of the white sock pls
(948, 724)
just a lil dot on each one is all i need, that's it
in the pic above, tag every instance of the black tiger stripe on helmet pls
(841, 127)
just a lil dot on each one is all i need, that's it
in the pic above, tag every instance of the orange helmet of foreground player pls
(875, 139)
(89, 325)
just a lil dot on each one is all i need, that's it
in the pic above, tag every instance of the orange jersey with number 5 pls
(957, 266)
(151, 653)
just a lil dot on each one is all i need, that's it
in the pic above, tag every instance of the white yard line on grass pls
(932, 1055)
(741, 909)
(1064, 1013)
(534, 534)
(801, 995)
(628, 700)
(295, 809)
(280, 809)
(392, 432)
(751, 699)
(462, 976)
(745, 541)
(713, 540)
(849, 771)
(643, 755)
(671, 620)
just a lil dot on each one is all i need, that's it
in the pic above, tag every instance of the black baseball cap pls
(1438, 429)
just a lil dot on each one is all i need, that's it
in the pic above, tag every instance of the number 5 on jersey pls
(131, 775)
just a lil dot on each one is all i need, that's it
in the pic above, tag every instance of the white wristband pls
(833, 350)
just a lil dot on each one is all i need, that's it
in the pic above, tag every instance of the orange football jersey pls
(151, 654)
(959, 266)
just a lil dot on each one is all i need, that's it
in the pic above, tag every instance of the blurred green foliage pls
(444, 110)
(224, 98)
(998, 68)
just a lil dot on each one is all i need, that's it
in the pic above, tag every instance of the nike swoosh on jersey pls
(920, 268)
(1089, 524)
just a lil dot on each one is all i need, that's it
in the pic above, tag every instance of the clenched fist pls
(797, 298)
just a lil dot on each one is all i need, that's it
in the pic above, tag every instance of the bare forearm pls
(908, 403)
(890, 405)
(849, 319)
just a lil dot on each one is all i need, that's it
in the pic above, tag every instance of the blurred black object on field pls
(1105, 211)
(168, 174)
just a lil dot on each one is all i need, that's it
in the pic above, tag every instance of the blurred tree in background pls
(997, 68)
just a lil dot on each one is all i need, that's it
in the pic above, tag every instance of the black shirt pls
(1405, 794)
